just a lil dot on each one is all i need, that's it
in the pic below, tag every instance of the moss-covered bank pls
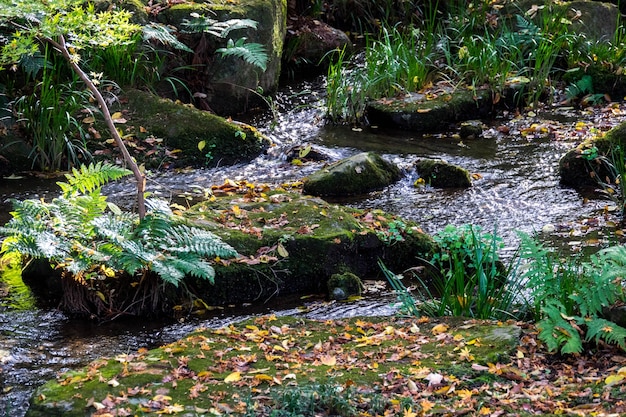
(237, 369)
(192, 137)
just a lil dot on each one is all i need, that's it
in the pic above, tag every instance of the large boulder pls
(290, 243)
(358, 174)
(309, 45)
(229, 86)
(596, 20)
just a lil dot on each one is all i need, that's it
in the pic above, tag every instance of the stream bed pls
(516, 187)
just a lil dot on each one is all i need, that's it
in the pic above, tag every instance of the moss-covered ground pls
(361, 367)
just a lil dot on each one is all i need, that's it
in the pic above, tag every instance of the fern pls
(571, 296)
(252, 53)
(608, 331)
(220, 29)
(557, 332)
(164, 35)
(91, 177)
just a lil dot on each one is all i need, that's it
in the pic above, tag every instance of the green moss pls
(266, 353)
(422, 113)
(355, 175)
(293, 244)
(184, 127)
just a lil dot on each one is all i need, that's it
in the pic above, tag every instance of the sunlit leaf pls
(233, 377)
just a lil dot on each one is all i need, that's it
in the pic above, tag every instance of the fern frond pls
(89, 178)
(252, 53)
(167, 271)
(236, 24)
(115, 227)
(220, 29)
(200, 242)
(556, 332)
(164, 35)
(608, 331)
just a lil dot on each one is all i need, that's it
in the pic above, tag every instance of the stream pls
(516, 187)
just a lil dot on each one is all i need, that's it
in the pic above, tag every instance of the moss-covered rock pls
(291, 243)
(308, 45)
(342, 286)
(440, 173)
(590, 161)
(183, 128)
(423, 113)
(228, 85)
(471, 129)
(358, 174)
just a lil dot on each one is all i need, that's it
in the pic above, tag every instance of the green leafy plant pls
(250, 52)
(468, 279)
(91, 239)
(570, 297)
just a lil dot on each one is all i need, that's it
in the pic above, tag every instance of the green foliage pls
(48, 117)
(570, 296)
(399, 62)
(407, 302)
(252, 53)
(469, 279)
(82, 233)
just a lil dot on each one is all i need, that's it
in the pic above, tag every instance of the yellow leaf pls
(464, 394)
(89, 120)
(282, 251)
(408, 412)
(426, 405)
(233, 377)
(423, 110)
(438, 329)
(263, 377)
(117, 115)
(162, 398)
(201, 145)
(614, 379)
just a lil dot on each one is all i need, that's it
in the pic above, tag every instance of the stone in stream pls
(442, 174)
(358, 174)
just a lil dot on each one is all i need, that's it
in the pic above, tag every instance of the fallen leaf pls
(440, 328)
(328, 360)
(233, 377)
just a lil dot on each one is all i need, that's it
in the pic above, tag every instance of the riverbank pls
(349, 367)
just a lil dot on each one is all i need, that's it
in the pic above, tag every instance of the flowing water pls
(516, 188)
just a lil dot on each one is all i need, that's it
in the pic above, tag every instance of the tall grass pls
(399, 61)
(48, 116)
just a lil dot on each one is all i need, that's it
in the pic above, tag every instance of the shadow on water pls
(516, 187)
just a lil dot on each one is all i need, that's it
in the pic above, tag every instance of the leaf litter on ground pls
(378, 366)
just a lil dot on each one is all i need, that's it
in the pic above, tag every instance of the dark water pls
(517, 189)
